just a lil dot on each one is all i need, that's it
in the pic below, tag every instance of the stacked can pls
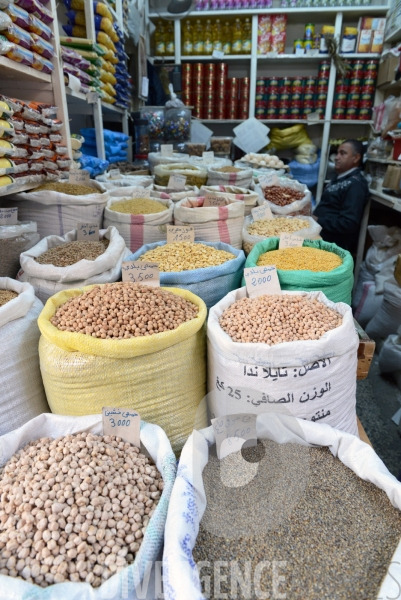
(243, 98)
(353, 97)
(198, 72)
(309, 93)
(232, 98)
(186, 86)
(209, 91)
(220, 90)
(272, 97)
(297, 97)
(322, 87)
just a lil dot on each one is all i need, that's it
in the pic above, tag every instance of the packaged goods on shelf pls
(371, 34)
(205, 37)
(254, 232)
(354, 94)
(272, 33)
(248, 197)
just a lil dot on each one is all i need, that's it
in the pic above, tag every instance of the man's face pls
(346, 158)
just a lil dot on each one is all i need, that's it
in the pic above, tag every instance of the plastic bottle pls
(226, 38)
(187, 39)
(170, 39)
(208, 38)
(247, 37)
(199, 47)
(218, 36)
(160, 39)
(236, 47)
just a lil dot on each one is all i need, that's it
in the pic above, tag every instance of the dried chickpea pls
(300, 259)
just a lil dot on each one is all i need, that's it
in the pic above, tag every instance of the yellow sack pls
(162, 376)
(291, 137)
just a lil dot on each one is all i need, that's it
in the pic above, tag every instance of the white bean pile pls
(75, 508)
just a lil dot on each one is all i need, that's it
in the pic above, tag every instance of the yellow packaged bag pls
(108, 88)
(107, 77)
(104, 39)
(291, 137)
(162, 376)
(107, 66)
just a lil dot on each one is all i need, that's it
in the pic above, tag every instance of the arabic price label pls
(213, 200)
(140, 192)
(266, 180)
(231, 431)
(137, 271)
(262, 280)
(177, 182)
(208, 157)
(114, 174)
(182, 233)
(88, 231)
(92, 97)
(8, 216)
(166, 150)
(219, 54)
(288, 240)
(122, 422)
(260, 213)
(79, 176)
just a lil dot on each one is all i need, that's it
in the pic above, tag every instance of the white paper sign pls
(92, 97)
(140, 192)
(177, 182)
(200, 134)
(80, 176)
(138, 271)
(166, 150)
(299, 51)
(251, 135)
(74, 83)
(231, 431)
(208, 157)
(114, 174)
(212, 200)
(289, 240)
(88, 231)
(268, 180)
(180, 233)
(262, 280)
(8, 216)
(218, 54)
(145, 87)
(261, 213)
(313, 117)
(122, 422)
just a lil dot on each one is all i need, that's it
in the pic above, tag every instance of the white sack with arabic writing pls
(311, 379)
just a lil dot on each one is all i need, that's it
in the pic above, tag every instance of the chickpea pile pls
(123, 310)
(186, 256)
(6, 296)
(138, 206)
(273, 227)
(75, 508)
(302, 258)
(282, 196)
(72, 252)
(276, 319)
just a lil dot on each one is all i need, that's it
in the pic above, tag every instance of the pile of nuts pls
(301, 258)
(72, 252)
(6, 296)
(75, 508)
(123, 310)
(186, 256)
(276, 319)
(273, 227)
(139, 206)
(282, 196)
(72, 189)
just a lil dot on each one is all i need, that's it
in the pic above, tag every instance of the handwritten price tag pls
(88, 231)
(218, 54)
(262, 280)
(183, 233)
(114, 174)
(166, 150)
(177, 182)
(268, 180)
(261, 213)
(8, 216)
(208, 157)
(122, 422)
(79, 176)
(140, 192)
(137, 271)
(288, 240)
(212, 200)
(231, 431)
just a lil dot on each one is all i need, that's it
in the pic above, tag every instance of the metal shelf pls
(77, 95)
(210, 57)
(350, 122)
(111, 108)
(326, 10)
(384, 161)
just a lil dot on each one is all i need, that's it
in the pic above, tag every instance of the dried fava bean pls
(301, 259)
(186, 256)
(282, 196)
(273, 227)
(122, 311)
(85, 478)
(6, 296)
(71, 189)
(72, 252)
(276, 319)
(140, 206)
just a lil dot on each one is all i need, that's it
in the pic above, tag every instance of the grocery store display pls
(205, 37)
(72, 252)
(15, 239)
(194, 175)
(254, 232)
(272, 33)
(354, 94)
(241, 177)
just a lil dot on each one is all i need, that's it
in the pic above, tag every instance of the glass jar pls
(142, 142)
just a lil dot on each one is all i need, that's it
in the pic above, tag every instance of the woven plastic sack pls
(124, 183)
(154, 439)
(336, 284)
(212, 283)
(156, 158)
(15, 239)
(81, 373)
(307, 174)
(386, 244)
(188, 500)
(195, 175)
(299, 207)
(249, 240)
(232, 192)
(22, 393)
(242, 178)
(48, 279)
(390, 354)
(138, 230)
(56, 213)
(369, 303)
(387, 319)
(160, 191)
(212, 223)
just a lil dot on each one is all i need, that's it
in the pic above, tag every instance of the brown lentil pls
(302, 258)
(282, 196)
(273, 227)
(276, 319)
(75, 508)
(72, 252)
(6, 296)
(123, 310)
(72, 189)
(140, 206)
(186, 256)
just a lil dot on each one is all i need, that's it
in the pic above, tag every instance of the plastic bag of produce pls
(309, 230)
(386, 244)
(195, 175)
(229, 176)
(336, 284)
(390, 354)
(232, 192)
(48, 279)
(301, 206)
(15, 239)
(188, 501)
(81, 373)
(210, 283)
(212, 223)
(136, 575)
(388, 318)
(138, 230)
(23, 396)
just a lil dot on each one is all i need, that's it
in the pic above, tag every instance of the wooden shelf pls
(384, 161)
(12, 70)
(386, 200)
(77, 95)
(111, 108)
(210, 57)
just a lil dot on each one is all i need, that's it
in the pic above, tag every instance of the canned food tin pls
(340, 104)
(283, 113)
(322, 89)
(272, 104)
(342, 81)
(309, 31)
(210, 69)
(324, 67)
(197, 112)
(371, 68)
(339, 113)
(260, 112)
(355, 81)
(261, 89)
(357, 65)
(295, 112)
(354, 89)
(296, 103)
(307, 111)
(260, 97)
(320, 112)
(208, 97)
(342, 89)
(364, 114)
(222, 70)
(310, 81)
(316, 41)
(368, 89)
(244, 82)
(297, 96)
(297, 82)
(351, 114)
(243, 114)
(284, 97)
(274, 96)
(353, 103)
(320, 104)
(186, 68)
(366, 103)
(220, 113)
(261, 82)
(308, 45)
(273, 82)
(369, 81)
(284, 104)
(285, 82)
(271, 112)
(298, 45)
(340, 96)
(308, 97)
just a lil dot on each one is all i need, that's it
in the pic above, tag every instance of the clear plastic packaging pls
(7, 148)
(195, 149)
(42, 47)
(221, 145)
(18, 15)
(42, 64)
(178, 124)
(155, 117)
(36, 26)
(19, 36)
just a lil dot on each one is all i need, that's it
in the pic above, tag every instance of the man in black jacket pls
(343, 202)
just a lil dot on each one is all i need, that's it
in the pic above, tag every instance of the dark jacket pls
(341, 208)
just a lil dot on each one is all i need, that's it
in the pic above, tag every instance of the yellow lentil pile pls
(273, 227)
(72, 189)
(186, 256)
(6, 296)
(139, 206)
(72, 252)
(122, 311)
(276, 319)
(301, 259)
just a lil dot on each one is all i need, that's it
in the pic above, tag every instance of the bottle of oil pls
(218, 36)
(199, 46)
(208, 37)
(170, 39)
(226, 38)
(160, 39)
(247, 37)
(236, 46)
(187, 39)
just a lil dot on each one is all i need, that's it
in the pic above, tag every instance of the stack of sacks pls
(306, 154)
(78, 66)
(123, 86)
(95, 166)
(116, 145)
(25, 35)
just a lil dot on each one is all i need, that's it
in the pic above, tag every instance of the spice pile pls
(139, 206)
(282, 196)
(6, 296)
(75, 508)
(273, 227)
(302, 258)
(71, 189)
(276, 319)
(122, 311)
(72, 252)
(186, 256)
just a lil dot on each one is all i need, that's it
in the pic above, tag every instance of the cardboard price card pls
(166, 150)
(268, 180)
(140, 192)
(8, 216)
(289, 240)
(122, 422)
(137, 271)
(231, 431)
(212, 200)
(180, 233)
(177, 182)
(114, 174)
(79, 176)
(88, 231)
(261, 213)
(208, 157)
(262, 280)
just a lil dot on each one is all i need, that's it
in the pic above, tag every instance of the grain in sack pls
(212, 223)
(306, 376)
(139, 229)
(286, 197)
(48, 279)
(235, 176)
(231, 192)
(254, 232)
(23, 396)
